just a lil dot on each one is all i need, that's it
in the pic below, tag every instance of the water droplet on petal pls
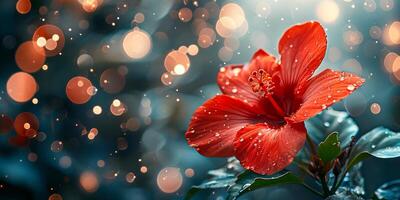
(350, 87)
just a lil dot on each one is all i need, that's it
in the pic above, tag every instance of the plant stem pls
(324, 186)
(311, 144)
(313, 190)
(334, 184)
(335, 187)
(304, 169)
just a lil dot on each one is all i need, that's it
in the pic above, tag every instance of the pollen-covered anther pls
(261, 82)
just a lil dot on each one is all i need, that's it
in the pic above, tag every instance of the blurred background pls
(95, 95)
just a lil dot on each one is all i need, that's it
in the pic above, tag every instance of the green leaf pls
(329, 149)
(220, 178)
(214, 183)
(379, 142)
(329, 121)
(390, 190)
(249, 181)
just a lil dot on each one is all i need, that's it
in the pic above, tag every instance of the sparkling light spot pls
(143, 169)
(328, 11)
(97, 110)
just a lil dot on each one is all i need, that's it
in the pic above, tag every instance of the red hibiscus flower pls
(260, 116)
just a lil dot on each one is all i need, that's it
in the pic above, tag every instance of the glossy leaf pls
(390, 190)
(214, 183)
(219, 178)
(325, 123)
(249, 181)
(330, 121)
(380, 143)
(329, 149)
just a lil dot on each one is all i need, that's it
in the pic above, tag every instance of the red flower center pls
(261, 82)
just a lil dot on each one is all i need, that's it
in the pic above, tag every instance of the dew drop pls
(350, 87)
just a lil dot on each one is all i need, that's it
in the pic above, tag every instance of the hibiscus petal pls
(262, 60)
(302, 48)
(233, 80)
(323, 90)
(214, 125)
(267, 150)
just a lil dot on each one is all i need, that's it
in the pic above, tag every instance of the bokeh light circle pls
(56, 146)
(26, 124)
(176, 63)
(77, 89)
(185, 14)
(375, 108)
(89, 182)
(233, 12)
(137, 44)
(29, 57)
(85, 61)
(139, 18)
(169, 179)
(193, 50)
(90, 5)
(327, 11)
(389, 61)
(55, 196)
(23, 6)
(112, 81)
(167, 78)
(117, 108)
(130, 177)
(21, 87)
(54, 37)
(394, 32)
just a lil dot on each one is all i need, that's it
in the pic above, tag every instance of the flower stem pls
(334, 184)
(335, 187)
(324, 186)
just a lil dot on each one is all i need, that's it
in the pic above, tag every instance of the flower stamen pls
(261, 82)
